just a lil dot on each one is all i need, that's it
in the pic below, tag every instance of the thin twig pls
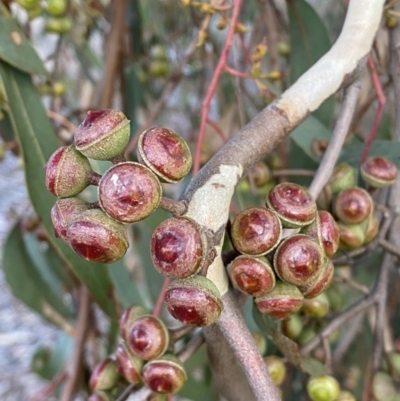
(387, 246)
(114, 51)
(351, 283)
(192, 346)
(62, 120)
(160, 299)
(293, 172)
(48, 390)
(178, 333)
(74, 369)
(331, 154)
(177, 208)
(214, 82)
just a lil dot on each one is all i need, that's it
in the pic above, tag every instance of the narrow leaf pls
(16, 50)
(309, 41)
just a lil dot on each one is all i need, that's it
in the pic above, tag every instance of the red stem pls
(379, 113)
(47, 391)
(237, 73)
(218, 130)
(246, 52)
(214, 82)
(160, 299)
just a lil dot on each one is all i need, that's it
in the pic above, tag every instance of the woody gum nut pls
(166, 153)
(298, 259)
(276, 369)
(64, 212)
(256, 231)
(165, 375)
(326, 231)
(283, 300)
(323, 388)
(129, 192)
(293, 204)
(128, 317)
(320, 283)
(128, 365)
(253, 276)
(353, 205)
(104, 375)
(194, 300)
(378, 172)
(97, 238)
(67, 172)
(178, 247)
(103, 134)
(343, 177)
(148, 337)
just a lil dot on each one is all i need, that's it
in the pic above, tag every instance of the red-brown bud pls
(128, 365)
(320, 283)
(103, 134)
(253, 276)
(166, 153)
(326, 231)
(104, 375)
(353, 205)
(129, 192)
(178, 247)
(256, 231)
(298, 259)
(165, 375)
(148, 337)
(63, 214)
(128, 317)
(378, 172)
(194, 300)
(282, 301)
(293, 204)
(96, 237)
(67, 172)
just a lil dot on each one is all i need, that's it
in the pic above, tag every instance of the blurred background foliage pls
(154, 60)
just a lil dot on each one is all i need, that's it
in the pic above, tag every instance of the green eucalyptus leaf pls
(309, 131)
(16, 50)
(38, 141)
(388, 149)
(27, 282)
(309, 41)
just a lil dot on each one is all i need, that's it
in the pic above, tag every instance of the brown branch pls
(75, 365)
(177, 208)
(114, 52)
(336, 142)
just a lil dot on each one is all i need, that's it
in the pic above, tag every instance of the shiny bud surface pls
(166, 153)
(320, 283)
(103, 134)
(128, 317)
(194, 300)
(177, 247)
(128, 365)
(67, 172)
(293, 204)
(353, 205)
(63, 214)
(129, 192)
(256, 231)
(378, 172)
(283, 300)
(97, 238)
(253, 276)
(165, 375)
(298, 259)
(148, 337)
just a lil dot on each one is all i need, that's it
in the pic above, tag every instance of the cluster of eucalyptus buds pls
(145, 356)
(127, 193)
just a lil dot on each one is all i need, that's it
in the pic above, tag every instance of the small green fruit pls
(59, 25)
(56, 8)
(323, 388)
(28, 4)
(276, 369)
